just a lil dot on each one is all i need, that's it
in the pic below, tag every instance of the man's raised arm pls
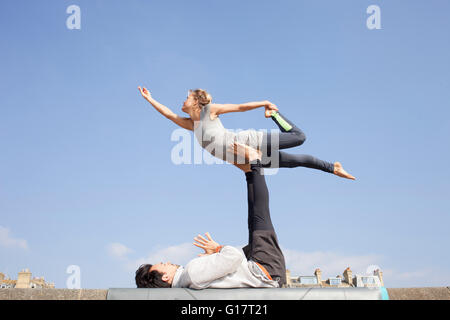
(217, 262)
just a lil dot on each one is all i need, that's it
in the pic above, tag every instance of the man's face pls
(167, 269)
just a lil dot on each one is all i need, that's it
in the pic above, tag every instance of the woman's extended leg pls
(291, 136)
(289, 160)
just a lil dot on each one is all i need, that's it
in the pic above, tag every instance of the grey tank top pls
(215, 138)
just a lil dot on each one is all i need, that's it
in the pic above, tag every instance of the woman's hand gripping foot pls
(269, 109)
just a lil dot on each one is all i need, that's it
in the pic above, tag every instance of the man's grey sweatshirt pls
(228, 268)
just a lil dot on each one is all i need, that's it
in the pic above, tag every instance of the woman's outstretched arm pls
(217, 108)
(185, 123)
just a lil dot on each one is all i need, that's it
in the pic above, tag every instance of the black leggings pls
(290, 136)
(263, 244)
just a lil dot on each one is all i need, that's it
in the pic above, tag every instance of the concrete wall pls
(52, 294)
(436, 293)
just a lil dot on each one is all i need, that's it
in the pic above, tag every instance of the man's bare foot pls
(339, 171)
(244, 167)
(247, 152)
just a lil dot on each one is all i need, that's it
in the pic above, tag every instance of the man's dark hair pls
(149, 279)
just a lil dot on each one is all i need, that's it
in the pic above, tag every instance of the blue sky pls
(86, 176)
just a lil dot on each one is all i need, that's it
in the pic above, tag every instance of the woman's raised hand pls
(145, 93)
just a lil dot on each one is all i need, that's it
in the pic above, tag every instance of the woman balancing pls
(204, 121)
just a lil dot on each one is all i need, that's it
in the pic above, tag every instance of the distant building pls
(375, 280)
(23, 281)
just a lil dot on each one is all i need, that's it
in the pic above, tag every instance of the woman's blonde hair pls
(202, 97)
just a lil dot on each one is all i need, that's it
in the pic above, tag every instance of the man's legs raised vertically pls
(263, 246)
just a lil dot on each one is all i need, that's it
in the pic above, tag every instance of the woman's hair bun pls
(202, 96)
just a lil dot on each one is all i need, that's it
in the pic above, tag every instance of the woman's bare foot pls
(243, 167)
(339, 171)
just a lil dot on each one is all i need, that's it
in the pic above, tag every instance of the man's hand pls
(209, 245)
(145, 93)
